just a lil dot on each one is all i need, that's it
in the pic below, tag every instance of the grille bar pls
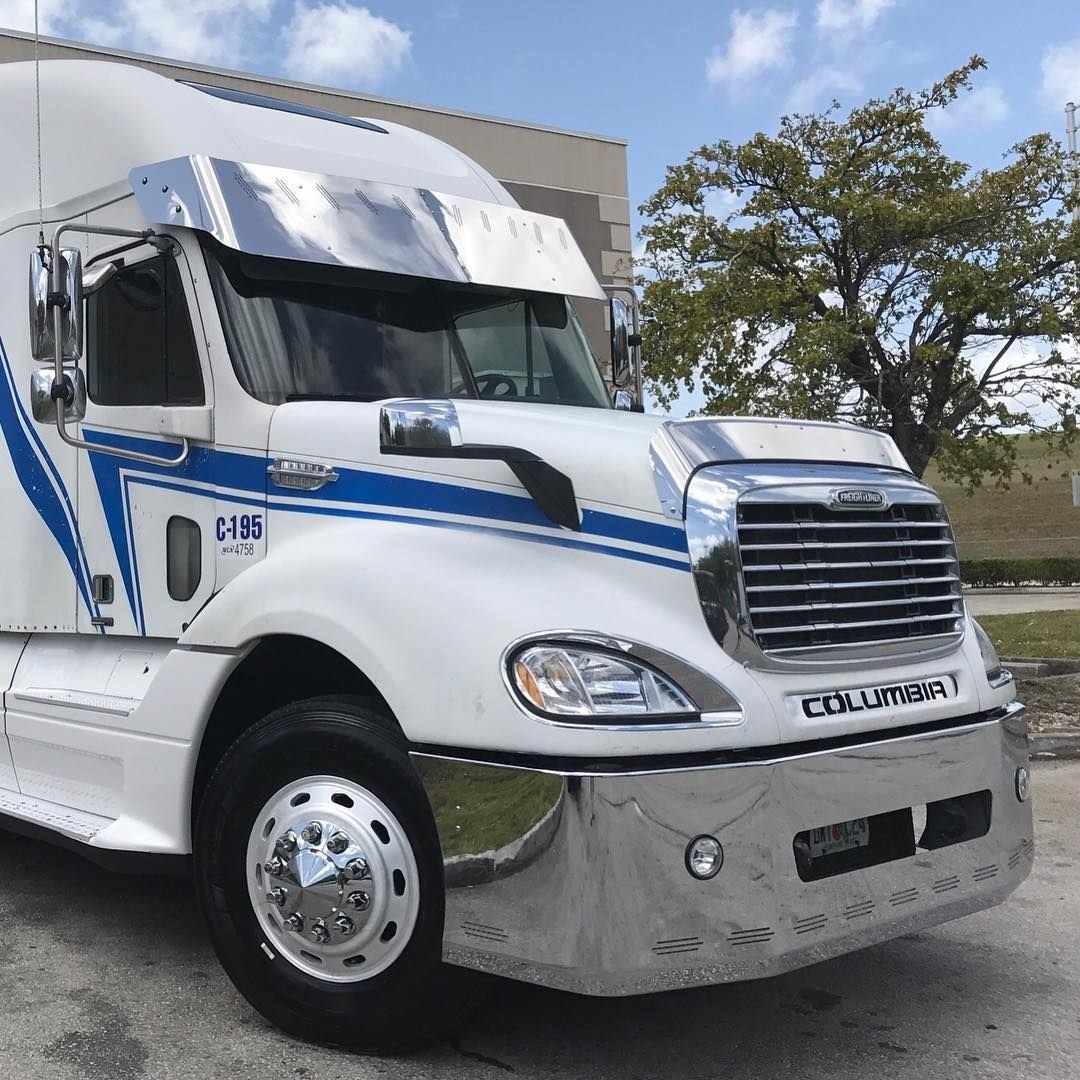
(802, 544)
(853, 524)
(820, 577)
(855, 584)
(866, 565)
(852, 604)
(950, 616)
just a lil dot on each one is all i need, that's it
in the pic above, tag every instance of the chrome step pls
(76, 824)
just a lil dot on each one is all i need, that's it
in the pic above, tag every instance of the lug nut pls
(337, 843)
(318, 932)
(287, 842)
(277, 896)
(312, 833)
(295, 923)
(275, 866)
(358, 868)
(359, 900)
(344, 924)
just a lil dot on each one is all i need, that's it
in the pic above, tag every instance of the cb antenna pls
(37, 116)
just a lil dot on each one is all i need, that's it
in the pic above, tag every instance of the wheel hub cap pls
(333, 879)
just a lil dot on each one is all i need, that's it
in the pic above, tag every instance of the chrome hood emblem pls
(858, 499)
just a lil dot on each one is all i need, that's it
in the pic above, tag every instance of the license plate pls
(846, 836)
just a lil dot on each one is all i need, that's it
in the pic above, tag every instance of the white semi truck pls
(330, 568)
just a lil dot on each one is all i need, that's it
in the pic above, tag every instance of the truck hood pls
(626, 461)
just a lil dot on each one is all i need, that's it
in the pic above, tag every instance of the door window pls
(141, 345)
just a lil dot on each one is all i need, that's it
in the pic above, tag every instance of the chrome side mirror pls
(622, 362)
(43, 404)
(69, 296)
(623, 400)
(419, 424)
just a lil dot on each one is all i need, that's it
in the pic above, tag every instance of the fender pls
(426, 615)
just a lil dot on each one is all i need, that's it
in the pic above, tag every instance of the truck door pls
(148, 529)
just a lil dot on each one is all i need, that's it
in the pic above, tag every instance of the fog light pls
(704, 857)
(1023, 784)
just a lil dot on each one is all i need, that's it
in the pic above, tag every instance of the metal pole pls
(1070, 132)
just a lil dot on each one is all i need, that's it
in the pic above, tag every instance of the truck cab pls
(334, 574)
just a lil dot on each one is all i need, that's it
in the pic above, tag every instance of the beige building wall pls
(579, 177)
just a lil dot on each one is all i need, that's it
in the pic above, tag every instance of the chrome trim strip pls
(1007, 717)
(297, 475)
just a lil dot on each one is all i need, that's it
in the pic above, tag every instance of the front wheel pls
(319, 873)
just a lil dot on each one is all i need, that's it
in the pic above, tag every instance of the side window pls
(141, 346)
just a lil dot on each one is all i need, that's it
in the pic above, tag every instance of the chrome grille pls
(818, 577)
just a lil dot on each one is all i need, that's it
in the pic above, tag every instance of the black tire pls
(416, 999)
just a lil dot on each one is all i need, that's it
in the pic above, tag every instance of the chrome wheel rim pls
(332, 878)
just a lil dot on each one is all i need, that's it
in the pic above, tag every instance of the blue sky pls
(666, 77)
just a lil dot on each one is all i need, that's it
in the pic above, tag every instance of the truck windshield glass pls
(303, 331)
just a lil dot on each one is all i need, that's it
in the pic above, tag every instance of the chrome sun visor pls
(290, 214)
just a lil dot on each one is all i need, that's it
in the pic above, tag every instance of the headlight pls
(996, 675)
(567, 681)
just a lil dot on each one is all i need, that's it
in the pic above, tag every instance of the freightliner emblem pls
(859, 498)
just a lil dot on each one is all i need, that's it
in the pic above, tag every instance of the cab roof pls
(99, 120)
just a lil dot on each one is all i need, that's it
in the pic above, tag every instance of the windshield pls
(306, 331)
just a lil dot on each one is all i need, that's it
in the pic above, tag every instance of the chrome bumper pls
(578, 881)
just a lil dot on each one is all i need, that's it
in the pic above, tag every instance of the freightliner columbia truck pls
(331, 569)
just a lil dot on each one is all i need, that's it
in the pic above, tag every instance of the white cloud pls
(981, 107)
(208, 31)
(845, 17)
(342, 43)
(19, 15)
(819, 88)
(1061, 74)
(758, 42)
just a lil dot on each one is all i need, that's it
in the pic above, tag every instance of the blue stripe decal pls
(205, 465)
(247, 473)
(31, 460)
(318, 510)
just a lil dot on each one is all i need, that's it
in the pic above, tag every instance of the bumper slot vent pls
(985, 873)
(811, 924)
(674, 946)
(757, 936)
(903, 896)
(859, 909)
(485, 933)
(946, 884)
(818, 577)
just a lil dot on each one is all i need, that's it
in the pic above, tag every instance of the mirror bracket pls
(63, 296)
(420, 428)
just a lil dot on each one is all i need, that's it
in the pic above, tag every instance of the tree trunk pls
(916, 442)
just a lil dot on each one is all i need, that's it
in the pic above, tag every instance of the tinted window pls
(141, 346)
(301, 331)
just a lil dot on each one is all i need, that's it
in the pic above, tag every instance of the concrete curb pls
(465, 870)
(1055, 746)
(1034, 667)
(1022, 590)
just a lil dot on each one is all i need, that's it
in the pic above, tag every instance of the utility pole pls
(1070, 132)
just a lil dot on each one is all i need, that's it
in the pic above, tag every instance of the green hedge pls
(1045, 570)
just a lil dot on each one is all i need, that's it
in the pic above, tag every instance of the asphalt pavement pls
(106, 977)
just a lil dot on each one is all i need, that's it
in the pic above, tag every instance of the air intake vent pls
(818, 577)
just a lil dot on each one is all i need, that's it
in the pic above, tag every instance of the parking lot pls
(111, 978)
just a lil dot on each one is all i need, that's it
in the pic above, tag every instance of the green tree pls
(846, 268)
